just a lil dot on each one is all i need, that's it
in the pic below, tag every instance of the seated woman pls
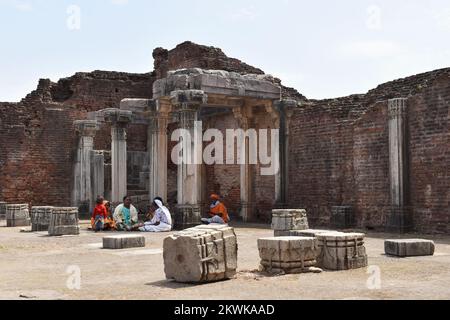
(162, 220)
(125, 216)
(109, 221)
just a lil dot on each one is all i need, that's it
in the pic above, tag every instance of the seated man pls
(161, 221)
(125, 215)
(218, 212)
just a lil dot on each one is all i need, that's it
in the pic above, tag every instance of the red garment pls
(100, 210)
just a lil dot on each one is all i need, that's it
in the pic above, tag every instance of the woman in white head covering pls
(162, 220)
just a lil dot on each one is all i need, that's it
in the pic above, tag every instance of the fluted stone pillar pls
(400, 218)
(97, 175)
(244, 116)
(187, 104)
(119, 120)
(158, 118)
(82, 196)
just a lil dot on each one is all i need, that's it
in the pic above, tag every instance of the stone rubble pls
(409, 247)
(17, 215)
(288, 254)
(40, 218)
(284, 220)
(64, 221)
(123, 242)
(201, 254)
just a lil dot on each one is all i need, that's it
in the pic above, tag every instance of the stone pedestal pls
(17, 215)
(187, 216)
(288, 254)
(342, 251)
(119, 120)
(409, 247)
(2, 210)
(64, 221)
(202, 254)
(343, 217)
(123, 242)
(40, 218)
(284, 220)
(312, 233)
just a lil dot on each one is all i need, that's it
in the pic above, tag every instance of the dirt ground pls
(34, 266)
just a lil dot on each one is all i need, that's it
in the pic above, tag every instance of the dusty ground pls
(34, 266)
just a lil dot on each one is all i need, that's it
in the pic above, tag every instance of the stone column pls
(187, 104)
(86, 130)
(400, 219)
(119, 120)
(244, 116)
(285, 109)
(157, 147)
(97, 174)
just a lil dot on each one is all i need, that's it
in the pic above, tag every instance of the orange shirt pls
(221, 211)
(100, 210)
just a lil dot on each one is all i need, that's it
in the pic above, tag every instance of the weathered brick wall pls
(37, 140)
(339, 154)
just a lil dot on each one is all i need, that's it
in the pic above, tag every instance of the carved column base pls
(187, 216)
(400, 220)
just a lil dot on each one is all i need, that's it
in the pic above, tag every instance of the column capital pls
(188, 100)
(397, 107)
(117, 117)
(86, 128)
(286, 106)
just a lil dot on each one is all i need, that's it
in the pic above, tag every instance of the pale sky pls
(322, 48)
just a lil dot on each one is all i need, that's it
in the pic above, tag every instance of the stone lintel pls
(218, 82)
(188, 99)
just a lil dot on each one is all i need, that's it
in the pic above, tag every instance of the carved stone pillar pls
(158, 117)
(400, 218)
(285, 110)
(187, 104)
(119, 120)
(97, 175)
(82, 194)
(244, 117)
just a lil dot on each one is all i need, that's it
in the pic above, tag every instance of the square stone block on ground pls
(64, 222)
(288, 254)
(289, 219)
(17, 215)
(123, 242)
(201, 254)
(342, 251)
(409, 247)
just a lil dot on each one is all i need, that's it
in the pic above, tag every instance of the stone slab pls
(123, 242)
(40, 218)
(409, 247)
(201, 254)
(17, 215)
(64, 221)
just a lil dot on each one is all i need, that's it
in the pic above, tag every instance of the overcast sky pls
(322, 48)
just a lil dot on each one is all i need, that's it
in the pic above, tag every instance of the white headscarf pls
(164, 210)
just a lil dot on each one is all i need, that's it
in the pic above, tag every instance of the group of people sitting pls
(157, 219)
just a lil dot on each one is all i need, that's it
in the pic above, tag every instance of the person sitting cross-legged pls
(218, 212)
(161, 220)
(125, 216)
(99, 215)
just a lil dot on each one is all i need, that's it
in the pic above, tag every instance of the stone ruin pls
(201, 254)
(123, 242)
(409, 248)
(334, 250)
(2, 210)
(17, 215)
(288, 254)
(64, 222)
(40, 218)
(287, 220)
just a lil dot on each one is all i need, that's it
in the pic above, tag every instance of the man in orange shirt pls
(218, 212)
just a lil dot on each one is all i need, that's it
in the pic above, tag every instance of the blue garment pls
(126, 216)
